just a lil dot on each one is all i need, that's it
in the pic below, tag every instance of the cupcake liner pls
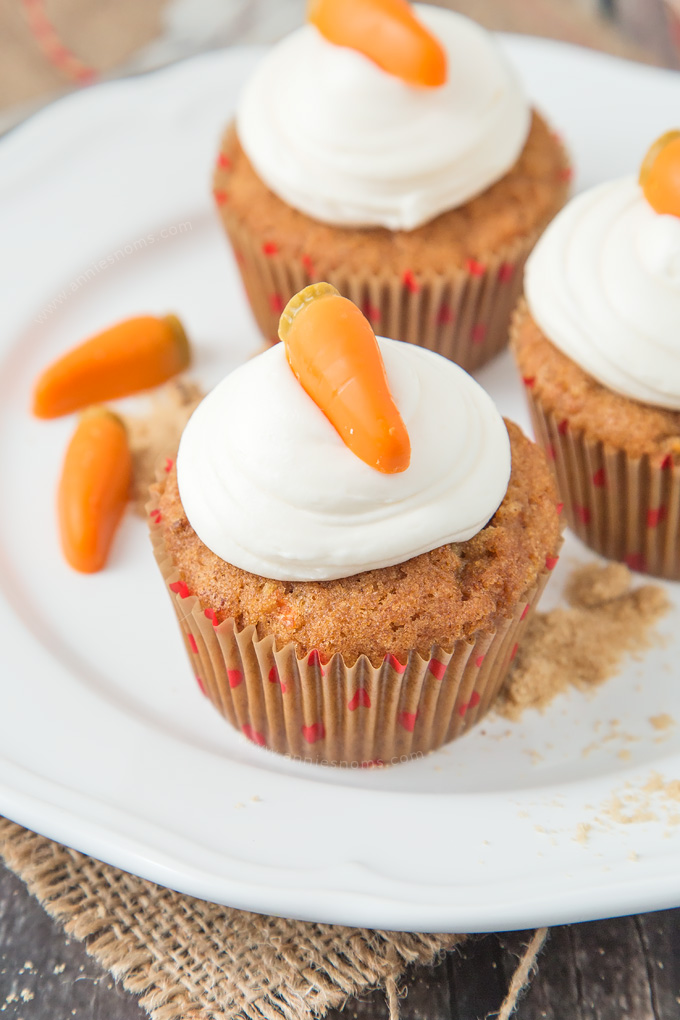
(332, 713)
(463, 314)
(625, 508)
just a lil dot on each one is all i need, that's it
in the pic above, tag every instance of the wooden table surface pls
(622, 969)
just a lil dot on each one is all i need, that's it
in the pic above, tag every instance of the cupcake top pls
(348, 143)
(269, 484)
(603, 284)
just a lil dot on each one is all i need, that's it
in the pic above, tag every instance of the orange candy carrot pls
(387, 32)
(131, 356)
(660, 174)
(93, 489)
(334, 354)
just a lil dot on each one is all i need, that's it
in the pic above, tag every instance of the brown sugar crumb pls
(572, 395)
(663, 721)
(582, 832)
(582, 645)
(455, 591)
(593, 585)
(516, 206)
(155, 436)
(654, 800)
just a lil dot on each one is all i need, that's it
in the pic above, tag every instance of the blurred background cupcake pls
(597, 342)
(418, 191)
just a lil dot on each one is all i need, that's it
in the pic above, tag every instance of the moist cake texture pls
(572, 395)
(517, 205)
(453, 592)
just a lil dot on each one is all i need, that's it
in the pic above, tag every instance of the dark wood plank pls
(428, 996)
(553, 993)
(612, 971)
(46, 976)
(477, 978)
(660, 937)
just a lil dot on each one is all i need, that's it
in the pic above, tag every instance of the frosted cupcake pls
(338, 609)
(597, 342)
(419, 202)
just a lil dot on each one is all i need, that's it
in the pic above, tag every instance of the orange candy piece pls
(335, 356)
(133, 355)
(93, 489)
(660, 174)
(387, 32)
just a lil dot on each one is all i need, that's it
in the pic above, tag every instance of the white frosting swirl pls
(603, 284)
(347, 143)
(268, 484)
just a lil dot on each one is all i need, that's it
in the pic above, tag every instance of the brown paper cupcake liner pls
(625, 508)
(463, 314)
(332, 713)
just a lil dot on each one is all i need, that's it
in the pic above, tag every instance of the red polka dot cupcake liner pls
(463, 314)
(332, 713)
(624, 508)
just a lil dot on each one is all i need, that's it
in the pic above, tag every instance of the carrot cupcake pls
(353, 546)
(417, 197)
(597, 344)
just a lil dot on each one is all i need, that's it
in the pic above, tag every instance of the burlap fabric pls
(192, 960)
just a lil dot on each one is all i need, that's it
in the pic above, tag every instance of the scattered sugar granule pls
(582, 832)
(663, 721)
(583, 644)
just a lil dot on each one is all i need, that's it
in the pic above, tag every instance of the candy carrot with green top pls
(387, 32)
(334, 354)
(131, 356)
(93, 489)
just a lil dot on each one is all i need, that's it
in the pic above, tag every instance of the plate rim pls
(41, 816)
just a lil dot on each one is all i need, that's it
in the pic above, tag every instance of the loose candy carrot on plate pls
(387, 32)
(93, 489)
(660, 174)
(334, 354)
(131, 356)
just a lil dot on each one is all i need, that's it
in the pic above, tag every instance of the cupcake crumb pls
(156, 434)
(583, 645)
(594, 585)
(653, 800)
(582, 832)
(663, 721)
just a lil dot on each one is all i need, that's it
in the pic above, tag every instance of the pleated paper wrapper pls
(463, 314)
(624, 508)
(333, 713)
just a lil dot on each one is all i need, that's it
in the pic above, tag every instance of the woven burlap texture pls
(192, 960)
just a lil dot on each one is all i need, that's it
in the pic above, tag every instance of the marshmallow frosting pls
(268, 484)
(603, 284)
(338, 138)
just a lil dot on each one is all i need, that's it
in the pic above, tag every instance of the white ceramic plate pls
(105, 743)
